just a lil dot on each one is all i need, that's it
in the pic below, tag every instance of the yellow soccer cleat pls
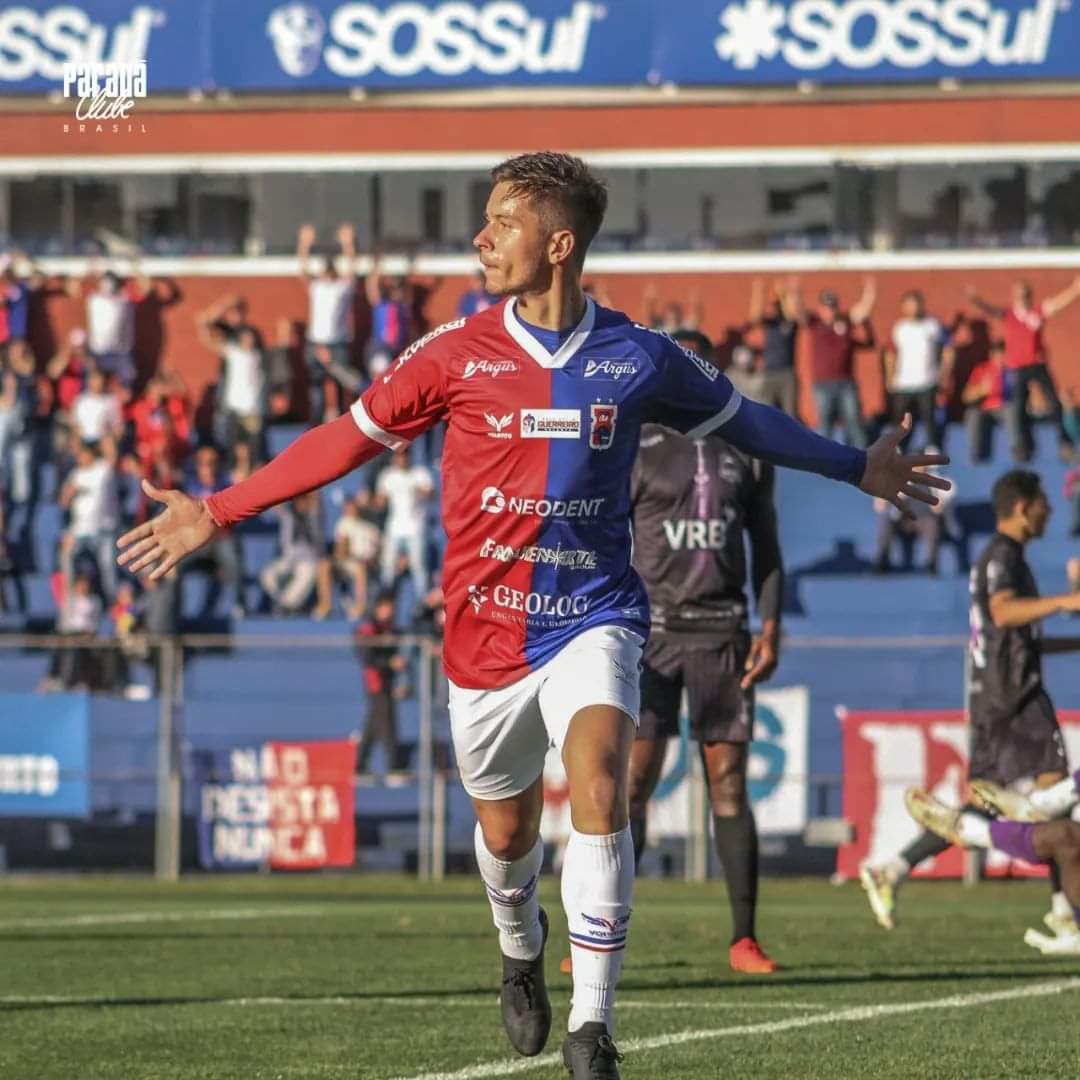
(1009, 804)
(940, 819)
(1060, 925)
(881, 893)
(1056, 945)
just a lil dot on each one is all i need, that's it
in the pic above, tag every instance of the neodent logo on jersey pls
(493, 501)
(813, 34)
(447, 39)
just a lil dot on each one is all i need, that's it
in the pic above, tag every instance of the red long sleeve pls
(323, 454)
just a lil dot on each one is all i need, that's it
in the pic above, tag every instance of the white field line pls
(855, 1014)
(481, 1000)
(121, 917)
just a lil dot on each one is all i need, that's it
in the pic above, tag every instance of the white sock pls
(896, 870)
(511, 888)
(1060, 906)
(597, 885)
(1056, 800)
(974, 830)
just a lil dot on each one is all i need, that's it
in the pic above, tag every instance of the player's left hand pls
(890, 474)
(762, 661)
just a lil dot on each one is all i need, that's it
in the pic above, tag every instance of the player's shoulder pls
(657, 344)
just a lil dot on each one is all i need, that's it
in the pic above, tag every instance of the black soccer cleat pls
(526, 1008)
(589, 1053)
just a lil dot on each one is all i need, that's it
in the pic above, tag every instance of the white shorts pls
(501, 737)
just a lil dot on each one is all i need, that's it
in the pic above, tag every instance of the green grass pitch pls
(377, 978)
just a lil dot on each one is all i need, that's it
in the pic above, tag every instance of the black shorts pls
(1011, 746)
(710, 671)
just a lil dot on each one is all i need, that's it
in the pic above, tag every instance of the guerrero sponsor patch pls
(551, 423)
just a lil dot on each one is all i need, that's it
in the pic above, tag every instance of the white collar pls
(537, 351)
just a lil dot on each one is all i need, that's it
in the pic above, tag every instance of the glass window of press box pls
(789, 208)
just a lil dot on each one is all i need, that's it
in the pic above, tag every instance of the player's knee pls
(727, 793)
(599, 803)
(509, 840)
(1066, 841)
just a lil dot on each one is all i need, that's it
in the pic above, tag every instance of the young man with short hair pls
(544, 396)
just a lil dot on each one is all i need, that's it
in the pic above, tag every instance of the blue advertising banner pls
(44, 755)
(234, 808)
(385, 44)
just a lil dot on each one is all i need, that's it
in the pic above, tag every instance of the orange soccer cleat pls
(746, 956)
(566, 965)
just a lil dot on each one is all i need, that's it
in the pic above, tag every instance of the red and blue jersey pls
(537, 461)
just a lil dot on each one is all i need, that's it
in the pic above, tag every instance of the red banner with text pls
(312, 818)
(887, 752)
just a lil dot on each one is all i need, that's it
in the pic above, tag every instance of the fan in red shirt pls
(834, 336)
(1026, 358)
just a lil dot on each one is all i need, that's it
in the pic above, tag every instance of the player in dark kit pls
(1015, 741)
(693, 499)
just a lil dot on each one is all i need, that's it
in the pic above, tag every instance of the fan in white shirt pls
(89, 494)
(404, 490)
(110, 323)
(96, 413)
(241, 400)
(330, 329)
(918, 366)
(356, 545)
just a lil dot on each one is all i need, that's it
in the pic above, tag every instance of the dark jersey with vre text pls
(692, 501)
(1006, 662)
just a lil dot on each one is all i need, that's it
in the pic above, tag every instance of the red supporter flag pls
(312, 822)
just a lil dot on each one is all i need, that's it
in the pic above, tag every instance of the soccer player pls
(693, 499)
(544, 396)
(1015, 736)
(1053, 843)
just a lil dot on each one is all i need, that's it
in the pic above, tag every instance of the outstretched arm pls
(305, 240)
(1009, 610)
(1060, 301)
(323, 454)
(984, 306)
(864, 307)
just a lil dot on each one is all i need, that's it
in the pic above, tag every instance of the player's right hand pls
(159, 544)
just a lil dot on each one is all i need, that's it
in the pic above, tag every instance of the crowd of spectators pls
(105, 427)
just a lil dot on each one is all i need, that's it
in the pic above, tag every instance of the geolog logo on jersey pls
(812, 34)
(493, 501)
(449, 39)
(538, 604)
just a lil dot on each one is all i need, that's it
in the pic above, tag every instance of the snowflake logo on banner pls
(750, 32)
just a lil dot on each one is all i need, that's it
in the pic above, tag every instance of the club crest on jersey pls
(493, 368)
(498, 425)
(602, 425)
